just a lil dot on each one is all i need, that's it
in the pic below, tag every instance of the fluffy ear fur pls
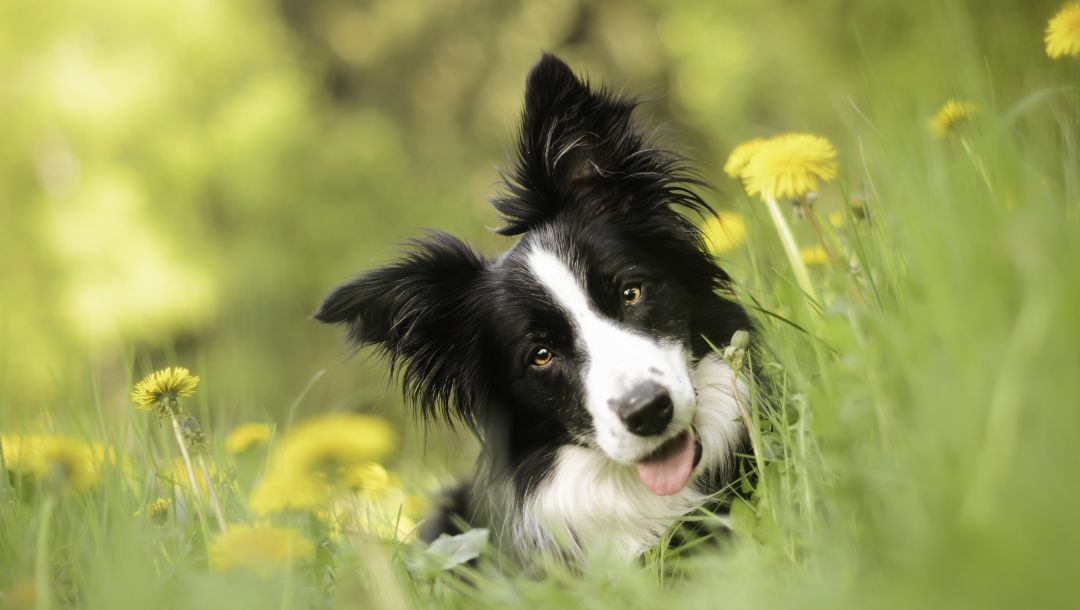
(424, 314)
(578, 149)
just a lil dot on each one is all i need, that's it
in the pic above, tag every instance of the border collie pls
(580, 357)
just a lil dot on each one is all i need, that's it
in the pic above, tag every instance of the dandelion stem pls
(804, 459)
(191, 480)
(815, 224)
(213, 495)
(43, 592)
(791, 248)
(287, 585)
(5, 484)
(976, 160)
(1005, 413)
(187, 458)
(751, 426)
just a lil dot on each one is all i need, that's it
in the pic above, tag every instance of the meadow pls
(182, 185)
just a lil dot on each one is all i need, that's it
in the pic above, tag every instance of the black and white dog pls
(581, 356)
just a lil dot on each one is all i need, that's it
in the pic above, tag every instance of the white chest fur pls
(590, 503)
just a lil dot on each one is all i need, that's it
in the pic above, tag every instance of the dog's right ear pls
(580, 150)
(424, 315)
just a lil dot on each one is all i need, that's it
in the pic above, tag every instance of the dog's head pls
(587, 330)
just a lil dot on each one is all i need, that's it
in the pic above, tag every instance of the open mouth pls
(667, 470)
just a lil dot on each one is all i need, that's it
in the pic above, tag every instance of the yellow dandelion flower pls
(327, 445)
(724, 232)
(369, 478)
(953, 115)
(790, 166)
(247, 436)
(316, 456)
(264, 550)
(56, 458)
(1063, 32)
(72, 460)
(740, 157)
(160, 390)
(814, 256)
(158, 509)
(837, 219)
(157, 512)
(283, 492)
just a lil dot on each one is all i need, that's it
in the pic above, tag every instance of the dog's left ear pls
(579, 148)
(423, 313)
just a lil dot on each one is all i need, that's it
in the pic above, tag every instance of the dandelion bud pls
(157, 512)
(740, 340)
(194, 436)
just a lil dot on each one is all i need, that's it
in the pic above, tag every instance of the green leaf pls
(743, 519)
(451, 551)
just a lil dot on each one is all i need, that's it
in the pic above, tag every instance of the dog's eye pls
(631, 294)
(541, 356)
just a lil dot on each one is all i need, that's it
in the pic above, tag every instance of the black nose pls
(645, 410)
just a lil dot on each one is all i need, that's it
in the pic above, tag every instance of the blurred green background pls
(182, 182)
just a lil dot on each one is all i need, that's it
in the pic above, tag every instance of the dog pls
(583, 356)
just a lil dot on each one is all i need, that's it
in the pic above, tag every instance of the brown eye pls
(631, 294)
(542, 356)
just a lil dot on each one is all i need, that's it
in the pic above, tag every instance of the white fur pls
(617, 360)
(593, 504)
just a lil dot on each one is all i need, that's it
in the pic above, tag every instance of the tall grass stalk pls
(188, 468)
(42, 560)
(214, 502)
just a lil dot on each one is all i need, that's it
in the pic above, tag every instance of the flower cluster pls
(328, 468)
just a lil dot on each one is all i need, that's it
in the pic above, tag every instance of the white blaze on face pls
(617, 359)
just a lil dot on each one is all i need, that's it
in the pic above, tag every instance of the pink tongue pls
(667, 474)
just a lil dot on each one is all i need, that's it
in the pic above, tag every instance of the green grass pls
(923, 451)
